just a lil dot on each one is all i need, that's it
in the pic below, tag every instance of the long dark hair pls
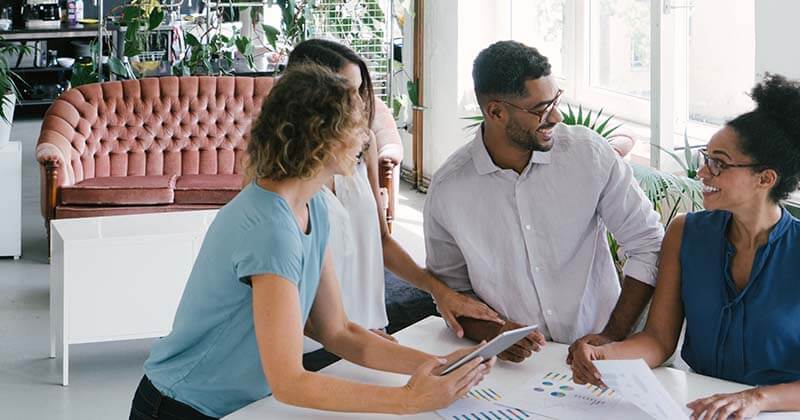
(335, 56)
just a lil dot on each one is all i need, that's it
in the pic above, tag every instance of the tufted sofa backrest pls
(156, 126)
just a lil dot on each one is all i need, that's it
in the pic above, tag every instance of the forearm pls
(367, 349)
(397, 260)
(632, 301)
(783, 397)
(323, 392)
(644, 345)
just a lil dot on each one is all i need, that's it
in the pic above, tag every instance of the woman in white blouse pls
(360, 241)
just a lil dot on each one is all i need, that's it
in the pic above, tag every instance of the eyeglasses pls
(544, 113)
(716, 166)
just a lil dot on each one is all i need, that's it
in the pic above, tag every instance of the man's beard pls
(526, 139)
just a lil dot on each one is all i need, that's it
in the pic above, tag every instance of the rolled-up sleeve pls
(629, 216)
(443, 256)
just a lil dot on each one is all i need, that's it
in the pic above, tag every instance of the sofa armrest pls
(54, 154)
(388, 139)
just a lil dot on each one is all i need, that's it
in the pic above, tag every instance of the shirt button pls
(549, 312)
(528, 227)
(536, 268)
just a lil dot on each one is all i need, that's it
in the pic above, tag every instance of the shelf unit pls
(37, 76)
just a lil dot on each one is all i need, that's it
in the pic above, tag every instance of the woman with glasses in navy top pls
(732, 270)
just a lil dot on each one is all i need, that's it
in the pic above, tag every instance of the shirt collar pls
(483, 161)
(781, 227)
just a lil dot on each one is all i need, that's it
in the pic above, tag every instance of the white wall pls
(777, 33)
(455, 31)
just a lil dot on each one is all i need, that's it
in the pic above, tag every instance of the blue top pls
(750, 336)
(210, 360)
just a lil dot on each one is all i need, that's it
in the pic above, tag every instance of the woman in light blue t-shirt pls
(264, 276)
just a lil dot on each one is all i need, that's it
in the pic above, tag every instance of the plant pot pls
(5, 126)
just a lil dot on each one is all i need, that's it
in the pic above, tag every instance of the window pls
(719, 55)
(601, 54)
(620, 46)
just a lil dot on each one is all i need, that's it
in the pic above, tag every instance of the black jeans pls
(150, 404)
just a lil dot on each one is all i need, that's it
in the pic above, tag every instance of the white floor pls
(102, 376)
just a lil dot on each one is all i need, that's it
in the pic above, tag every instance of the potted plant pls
(8, 87)
(142, 44)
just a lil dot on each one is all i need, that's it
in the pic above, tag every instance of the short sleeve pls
(268, 249)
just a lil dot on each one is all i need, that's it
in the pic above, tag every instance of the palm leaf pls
(597, 119)
(603, 125)
(611, 130)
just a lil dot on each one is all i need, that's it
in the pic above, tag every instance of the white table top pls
(431, 335)
(133, 225)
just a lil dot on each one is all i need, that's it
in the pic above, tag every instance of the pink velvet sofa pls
(145, 146)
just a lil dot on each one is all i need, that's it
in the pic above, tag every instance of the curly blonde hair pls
(309, 115)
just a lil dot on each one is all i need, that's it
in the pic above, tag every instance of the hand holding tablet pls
(500, 343)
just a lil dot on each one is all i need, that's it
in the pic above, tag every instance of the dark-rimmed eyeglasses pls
(716, 166)
(544, 113)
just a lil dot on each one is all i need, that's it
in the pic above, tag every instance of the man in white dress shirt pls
(518, 216)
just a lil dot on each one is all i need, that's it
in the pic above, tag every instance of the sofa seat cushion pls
(207, 189)
(121, 191)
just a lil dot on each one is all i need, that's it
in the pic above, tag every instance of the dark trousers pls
(150, 404)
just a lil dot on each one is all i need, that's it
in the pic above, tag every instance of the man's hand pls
(524, 348)
(591, 339)
(452, 305)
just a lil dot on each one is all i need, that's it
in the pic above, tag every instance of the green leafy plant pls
(294, 29)
(690, 162)
(8, 78)
(213, 52)
(141, 19)
(589, 120)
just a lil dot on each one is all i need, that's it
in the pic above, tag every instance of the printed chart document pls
(636, 382)
(481, 403)
(554, 395)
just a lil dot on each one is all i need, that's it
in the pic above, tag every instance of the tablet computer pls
(496, 346)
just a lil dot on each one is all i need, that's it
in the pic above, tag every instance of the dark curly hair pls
(335, 56)
(503, 68)
(770, 134)
(308, 114)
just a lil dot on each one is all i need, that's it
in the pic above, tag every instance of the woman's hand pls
(427, 391)
(739, 405)
(452, 305)
(583, 370)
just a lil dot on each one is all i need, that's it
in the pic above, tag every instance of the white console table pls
(11, 202)
(119, 277)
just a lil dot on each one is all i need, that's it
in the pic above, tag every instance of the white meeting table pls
(432, 335)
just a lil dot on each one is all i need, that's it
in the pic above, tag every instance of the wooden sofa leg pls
(51, 197)
(387, 181)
